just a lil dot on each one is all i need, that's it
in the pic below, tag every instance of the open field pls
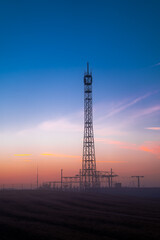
(62, 215)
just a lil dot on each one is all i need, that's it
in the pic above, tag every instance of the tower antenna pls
(88, 161)
(87, 67)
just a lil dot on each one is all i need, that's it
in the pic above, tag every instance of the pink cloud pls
(150, 147)
(153, 128)
(120, 144)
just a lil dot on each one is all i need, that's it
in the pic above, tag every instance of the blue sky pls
(112, 35)
(44, 43)
(44, 47)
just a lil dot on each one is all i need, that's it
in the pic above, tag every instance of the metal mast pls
(37, 176)
(138, 177)
(88, 161)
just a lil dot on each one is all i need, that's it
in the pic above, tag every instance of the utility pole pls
(37, 176)
(61, 179)
(138, 178)
(111, 178)
(80, 179)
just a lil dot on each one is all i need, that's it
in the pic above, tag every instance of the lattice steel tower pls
(88, 161)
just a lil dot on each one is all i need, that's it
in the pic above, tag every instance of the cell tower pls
(88, 161)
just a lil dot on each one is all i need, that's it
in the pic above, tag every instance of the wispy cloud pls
(60, 155)
(56, 125)
(120, 144)
(153, 128)
(61, 124)
(22, 155)
(125, 106)
(157, 64)
(152, 147)
(113, 161)
(146, 111)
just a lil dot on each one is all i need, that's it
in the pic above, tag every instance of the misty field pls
(63, 215)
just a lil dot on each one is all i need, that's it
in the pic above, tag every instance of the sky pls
(44, 48)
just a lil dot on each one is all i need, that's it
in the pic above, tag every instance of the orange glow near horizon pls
(125, 164)
(113, 161)
(125, 158)
(60, 155)
(22, 155)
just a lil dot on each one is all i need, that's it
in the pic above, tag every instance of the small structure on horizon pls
(138, 178)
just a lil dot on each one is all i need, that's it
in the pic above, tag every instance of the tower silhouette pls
(138, 178)
(88, 161)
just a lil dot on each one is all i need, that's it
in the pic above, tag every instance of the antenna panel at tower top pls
(87, 76)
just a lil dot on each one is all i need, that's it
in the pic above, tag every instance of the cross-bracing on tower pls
(89, 160)
(88, 177)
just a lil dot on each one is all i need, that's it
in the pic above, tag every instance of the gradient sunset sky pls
(44, 48)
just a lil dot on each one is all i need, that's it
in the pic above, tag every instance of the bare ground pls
(62, 215)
